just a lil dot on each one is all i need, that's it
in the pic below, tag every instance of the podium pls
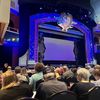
(4, 18)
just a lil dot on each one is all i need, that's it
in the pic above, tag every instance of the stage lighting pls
(13, 39)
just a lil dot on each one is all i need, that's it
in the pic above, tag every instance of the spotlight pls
(41, 8)
(85, 15)
(55, 10)
(13, 39)
(17, 39)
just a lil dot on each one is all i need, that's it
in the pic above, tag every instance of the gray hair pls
(83, 73)
(49, 76)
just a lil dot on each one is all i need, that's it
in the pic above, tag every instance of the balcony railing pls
(13, 29)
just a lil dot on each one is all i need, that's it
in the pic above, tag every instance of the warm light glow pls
(65, 21)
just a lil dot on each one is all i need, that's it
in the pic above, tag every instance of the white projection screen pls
(58, 49)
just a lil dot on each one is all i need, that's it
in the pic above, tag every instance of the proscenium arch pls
(37, 19)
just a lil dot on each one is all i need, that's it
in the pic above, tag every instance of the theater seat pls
(92, 94)
(38, 82)
(64, 95)
(27, 98)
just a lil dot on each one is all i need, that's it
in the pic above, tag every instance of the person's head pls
(49, 76)
(96, 74)
(23, 71)
(9, 79)
(74, 70)
(83, 74)
(88, 67)
(48, 70)
(17, 69)
(69, 74)
(39, 67)
(65, 68)
(97, 67)
(9, 68)
(5, 65)
(57, 70)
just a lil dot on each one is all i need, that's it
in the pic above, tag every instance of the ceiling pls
(78, 8)
(82, 3)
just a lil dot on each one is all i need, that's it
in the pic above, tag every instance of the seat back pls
(38, 82)
(64, 95)
(27, 98)
(94, 94)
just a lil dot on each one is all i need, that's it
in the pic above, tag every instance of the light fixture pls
(66, 21)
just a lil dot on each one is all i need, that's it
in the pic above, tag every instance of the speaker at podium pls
(4, 17)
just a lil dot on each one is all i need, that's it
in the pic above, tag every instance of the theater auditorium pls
(49, 49)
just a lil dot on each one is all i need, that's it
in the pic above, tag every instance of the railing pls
(13, 29)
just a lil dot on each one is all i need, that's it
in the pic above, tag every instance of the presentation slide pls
(58, 49)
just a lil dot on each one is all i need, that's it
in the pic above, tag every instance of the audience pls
(46, 81)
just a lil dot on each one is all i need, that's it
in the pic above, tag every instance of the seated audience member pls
(96, 74)
(67, 76)
(12, 89)
(61, 70)
(24, 71)
(18, 71)
(74, 70)
(83, 86)
(37, 76)
(25, 74)
(57, 72)
(0, 80)
(21, 78)
(48, 69)
(50, 86)
(97, 67)
(9, 68)
(5, 67)
(91, 78)
(65, 68)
